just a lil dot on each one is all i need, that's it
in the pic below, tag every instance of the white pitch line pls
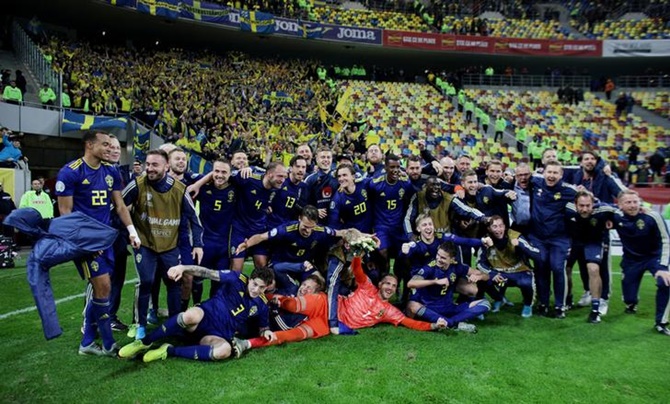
(58, 301)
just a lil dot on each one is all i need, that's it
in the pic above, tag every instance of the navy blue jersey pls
(90, 188)
(232, 307)
(388, 201)
(421, 253)
(592, 229)
(547, 208)
(217, 208)
(321, 187)
(288, 245)
(352, 210)
(605, 188)
(190, 178)
(287, 202)
(644, 236)
(253, 200)
(438, 296)
(490, 201)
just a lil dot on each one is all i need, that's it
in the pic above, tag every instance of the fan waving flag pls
(74, 121)
(161, 8)
(256, 21)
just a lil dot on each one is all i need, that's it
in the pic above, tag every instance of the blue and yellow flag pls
(161, 8)
(74, 121)
(197, 164)
(141, 145)
(203, 11)
(256, 21)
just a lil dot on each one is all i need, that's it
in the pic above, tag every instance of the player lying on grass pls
(369, 305)
(212, 324)
(310, 302)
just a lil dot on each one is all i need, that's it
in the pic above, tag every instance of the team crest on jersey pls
(253, 310)
(640, 224)
(138, 258)
(347, 203)
(594, 222)
(557, 196)
(401, 193)
(208, 192)
(365, 194)
(109, 180)
(382, 194)
(253, 192)
(231, 196)
(313, 245)
(60, 186)
(95, 266)
(486, 200)
(452, 277)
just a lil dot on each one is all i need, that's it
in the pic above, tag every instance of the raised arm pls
(176, 272)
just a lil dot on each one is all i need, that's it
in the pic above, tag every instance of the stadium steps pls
(9, 61)
(647, 115)
(564, 17)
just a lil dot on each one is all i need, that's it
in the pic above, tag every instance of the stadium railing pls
(644, 81)
(30, 54)
(526, 80)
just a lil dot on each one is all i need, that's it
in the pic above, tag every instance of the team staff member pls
(549, 197)
(646, 246)
(91, 186)
(587, 224)
(160, 204)
(505, 260)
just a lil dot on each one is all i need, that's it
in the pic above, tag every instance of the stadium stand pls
(591, 124)
(658, 102)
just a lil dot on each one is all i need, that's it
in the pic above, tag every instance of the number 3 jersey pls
(90, 188)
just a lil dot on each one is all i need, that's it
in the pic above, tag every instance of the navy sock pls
(595, 304)
(428, 314)
(101, 309)
(471, 312)
(89, 325)
(203, 353)
(173, 326)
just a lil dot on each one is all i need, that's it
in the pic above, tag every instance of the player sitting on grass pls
(213, 323)
(435, 283)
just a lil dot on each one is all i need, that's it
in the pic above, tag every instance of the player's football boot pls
(604, 307)
(631, 308)
(132, 349)
(527, 311)
(594, 317)
(662, 329)
(157, 354)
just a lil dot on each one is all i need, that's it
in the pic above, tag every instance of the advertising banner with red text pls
(412, 40)
(547, 47)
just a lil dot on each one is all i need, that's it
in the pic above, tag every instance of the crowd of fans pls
(203, 99)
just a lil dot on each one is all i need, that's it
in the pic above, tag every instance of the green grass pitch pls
(510, 360)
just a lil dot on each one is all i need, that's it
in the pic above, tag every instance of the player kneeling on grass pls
(434, 286)
(504, 258)
(311, 302)
(213, 323)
